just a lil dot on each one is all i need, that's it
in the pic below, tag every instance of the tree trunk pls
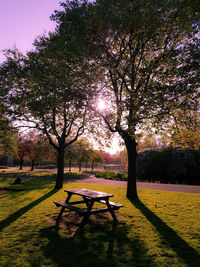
(21, 164)
(32, 165)
(132, 156)
(70, 165)
(80, 166)
(60, 168)
(92, 165)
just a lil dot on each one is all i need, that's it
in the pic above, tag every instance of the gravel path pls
(154, 186)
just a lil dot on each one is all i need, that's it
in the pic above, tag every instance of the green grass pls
(39, 174)
(162, 229)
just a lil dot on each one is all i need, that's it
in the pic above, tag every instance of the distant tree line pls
(33, 149)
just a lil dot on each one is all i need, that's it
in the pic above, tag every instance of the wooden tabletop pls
(89, 193)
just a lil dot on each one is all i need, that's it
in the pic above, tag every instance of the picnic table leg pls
(111, 211)
(86, 216)
(86, 201)
(62, 210)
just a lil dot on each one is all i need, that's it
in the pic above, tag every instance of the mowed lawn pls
(162, 229)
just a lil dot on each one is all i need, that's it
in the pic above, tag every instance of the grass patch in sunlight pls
(162, 229)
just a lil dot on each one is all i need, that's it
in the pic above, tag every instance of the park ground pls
(161, 229)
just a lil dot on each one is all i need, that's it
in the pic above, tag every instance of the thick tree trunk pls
(92, 165)
(132, 156)
(21, 164)
(60, 168)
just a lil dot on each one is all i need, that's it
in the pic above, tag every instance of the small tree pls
(22, 149)
(37, 148)
(82, 152)
(96, 157)
(70, 155)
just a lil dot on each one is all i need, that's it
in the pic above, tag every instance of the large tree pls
(146, 50)
(50, 92)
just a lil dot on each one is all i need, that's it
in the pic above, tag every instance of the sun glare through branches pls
(101, 105)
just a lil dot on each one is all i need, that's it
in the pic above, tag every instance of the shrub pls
(112, 175)
(169, 166)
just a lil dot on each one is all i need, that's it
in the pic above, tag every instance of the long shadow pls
(100, 244)
(184, 251)
(14, 216)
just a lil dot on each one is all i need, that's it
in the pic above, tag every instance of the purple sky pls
(21, 21)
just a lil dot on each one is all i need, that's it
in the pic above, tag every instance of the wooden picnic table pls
(89, 197)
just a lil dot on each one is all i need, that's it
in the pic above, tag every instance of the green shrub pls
(105, 174)
(112, 175)
(169, 166)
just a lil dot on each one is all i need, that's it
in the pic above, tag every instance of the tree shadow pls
(14, 216)
(184, 251)
(98, 244)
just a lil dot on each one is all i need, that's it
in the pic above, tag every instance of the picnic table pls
(88, 197)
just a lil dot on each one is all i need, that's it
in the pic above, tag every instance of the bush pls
(112, 175)
(169, 166)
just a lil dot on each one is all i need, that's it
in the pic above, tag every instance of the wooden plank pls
(68, 206)
(76, 202)
(112, 204)
(89, 193)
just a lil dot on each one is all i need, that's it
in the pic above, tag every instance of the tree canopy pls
(49, 92)
(148, 53)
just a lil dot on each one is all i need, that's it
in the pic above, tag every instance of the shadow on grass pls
(184, 251)
(99, 244)
(23, 210)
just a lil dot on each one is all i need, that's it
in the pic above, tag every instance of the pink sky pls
(21, 21)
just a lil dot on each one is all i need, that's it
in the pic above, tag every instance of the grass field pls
(162, 229)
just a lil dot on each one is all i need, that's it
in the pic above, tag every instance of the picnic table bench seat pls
(70, 207)
(112, 204)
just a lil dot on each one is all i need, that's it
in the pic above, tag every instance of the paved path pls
(91, 179)
(154, 186)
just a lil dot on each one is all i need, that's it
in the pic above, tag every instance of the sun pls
(101, 105)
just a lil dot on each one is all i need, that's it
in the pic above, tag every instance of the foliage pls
(148, 55)
(37, 148)
(107, 157)
(49, 92)
(112, 175)
(82, 151)
(154, 232)
(169, 166)
(186, 128)
(8, 134)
